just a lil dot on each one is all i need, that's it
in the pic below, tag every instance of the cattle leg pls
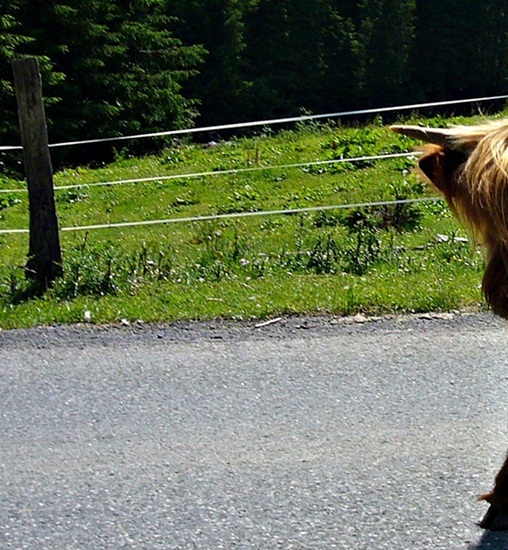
(496, 518)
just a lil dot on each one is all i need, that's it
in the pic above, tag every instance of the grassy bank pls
(381, 259)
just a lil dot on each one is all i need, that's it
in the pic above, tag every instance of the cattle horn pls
(439, 136)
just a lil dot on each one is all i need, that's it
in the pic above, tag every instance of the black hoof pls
(496, 519)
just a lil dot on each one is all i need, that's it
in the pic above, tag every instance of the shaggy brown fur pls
(472, 174)
(476, 189)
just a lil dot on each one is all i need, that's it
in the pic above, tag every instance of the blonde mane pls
(468, 137)
(483, 202)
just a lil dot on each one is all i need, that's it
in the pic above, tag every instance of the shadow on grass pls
(21, 291)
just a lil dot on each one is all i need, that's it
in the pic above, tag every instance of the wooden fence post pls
(44, 254)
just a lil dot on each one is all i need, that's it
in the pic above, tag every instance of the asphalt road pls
(307, 433)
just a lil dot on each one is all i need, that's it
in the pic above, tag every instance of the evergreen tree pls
(147, 68)
(14, 38)
(115, 66)
(387, 40)
(341, 58)
(462, 48)
(485, 24)
(219, 26)
(305, 55)
(285, 53)
(10, 39)
(436, 63)
(128, 66)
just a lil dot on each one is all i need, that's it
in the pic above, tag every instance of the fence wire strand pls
(234, 215)
(268, 122)
(243, 170)
(190, 175)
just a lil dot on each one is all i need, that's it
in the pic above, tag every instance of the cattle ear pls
(440, 165)
(430, 165)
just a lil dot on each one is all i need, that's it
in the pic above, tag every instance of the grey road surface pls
(311, 433)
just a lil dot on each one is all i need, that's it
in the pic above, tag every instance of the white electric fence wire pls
(224, 172)
(233, 215)
(239, 170)
(268, 122)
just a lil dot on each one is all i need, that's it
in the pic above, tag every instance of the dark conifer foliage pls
(128, 66)
(461, 48)
(109, 68)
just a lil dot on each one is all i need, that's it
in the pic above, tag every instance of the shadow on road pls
(491, 541)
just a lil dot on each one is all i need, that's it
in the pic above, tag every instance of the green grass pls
(372, 260)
